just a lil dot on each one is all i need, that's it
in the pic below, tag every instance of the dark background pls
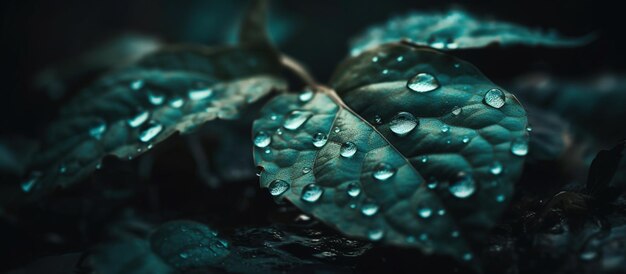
(36, 34)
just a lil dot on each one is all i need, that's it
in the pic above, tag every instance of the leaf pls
(432, 189)
(128, 112)
(457, 29)
(603, 168)
(192, 247)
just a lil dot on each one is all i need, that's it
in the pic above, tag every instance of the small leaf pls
(398, 162)
(457, 29)
(603, 168)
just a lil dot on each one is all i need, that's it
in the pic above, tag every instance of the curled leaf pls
(423, 153)
(457, 29)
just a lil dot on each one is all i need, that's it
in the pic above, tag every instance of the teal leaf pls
(421, 152)
(127, 112)
(457, 29)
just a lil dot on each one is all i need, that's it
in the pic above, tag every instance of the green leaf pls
(177, 245)
(457, 29)
(128, 112)
(439, 186)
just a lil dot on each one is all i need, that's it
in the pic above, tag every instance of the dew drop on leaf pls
(463, 187)
(496, 168)
(375, 234)
(278, 187)
(423, 82)
(424, 211)
(494, 98)
(136, 85)
(353, 189)
(320, 139)
(347, 150)
(456, 111)
(383, 172)
(296, 118)
(403, 123)
(306, 95)
(30, 182)
(519, 147)
(445, 128)
(177, 102)
(155, 98)
(262, 139)
(97, 131)
(138, 119)
(149, 131)
(200, 94)
(311, 193)
(306, 170)
(369, 208)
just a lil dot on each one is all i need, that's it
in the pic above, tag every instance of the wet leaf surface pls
(457, 29)
(399, 163)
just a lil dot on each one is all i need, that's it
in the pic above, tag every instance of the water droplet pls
(500, 198)
(375, 59)
(273, 117)
(519, 147)
(268, 151)
(445, 128)
(375, 234)
(494, 98)
(457, 65)
(136, 85)
(465, 139)
(467, 256)
(184, 255)
(138, 119)
(348, 149)
(177, 102)
(62, 169)
(424, 159)
(529, 128)
(99, 166)
(337, 130)
(278, 187)
(385, 71)
(441, 212)
(369, 208)
(296, 118)
(30, 182)
(455, 234)
(320, 139)
(311, 193)
(306, 170)
(463, 187)
(496, 168)
(403, 123)
(151, 130)
(400, 58)
(97, 131)
(424, 212)
(378, 119)
(259, 170)
(279, 131)
(200, 94)
(588, 255)
(155, 98)
(423, 82)
(262, 139)
(432, 184)
(424, 237)
(306, 95)
(353, 189)
(456, 111)
(383, 172)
